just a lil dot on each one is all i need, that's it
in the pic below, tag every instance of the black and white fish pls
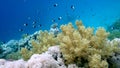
(55, 5)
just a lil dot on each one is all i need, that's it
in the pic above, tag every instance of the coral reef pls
(115, 25)
(13, 47)
(14, 55)
(80, 45)
(95, 61)
(40, 44)
(52, 58)
(54, 29)
(44, 60)
(8, 48)
(114, 30)
(114, 61)
(16, 47)
(114, 34)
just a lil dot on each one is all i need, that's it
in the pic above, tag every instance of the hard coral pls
(77, 45)
(41, 61)
(44, 60)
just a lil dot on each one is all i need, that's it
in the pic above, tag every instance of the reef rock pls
(44, 60)
(9, 47)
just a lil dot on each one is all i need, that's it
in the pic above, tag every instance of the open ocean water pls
(18, 17)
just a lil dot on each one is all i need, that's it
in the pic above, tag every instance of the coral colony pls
(80, 47)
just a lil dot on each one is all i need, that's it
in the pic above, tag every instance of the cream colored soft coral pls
(96, 62)
(42, 42)
(78, 44)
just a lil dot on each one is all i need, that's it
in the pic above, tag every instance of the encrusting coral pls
(41, 44)
(81, 45)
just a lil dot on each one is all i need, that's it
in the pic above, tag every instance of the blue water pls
(14, 13)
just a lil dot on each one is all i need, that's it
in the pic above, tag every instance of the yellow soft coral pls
(74, 43)
(96, 62)
(41, 44)
(82, 46)
(26, 54)
(78, 44)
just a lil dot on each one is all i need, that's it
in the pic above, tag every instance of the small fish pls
(34, 22)
(34, 26)
(40, 25)
(112, 28)
(25, 24)
(55, 5)
(72, 7)
(78, 16)
(59, 18)
(20, 30)
(53, 20)
(26, 33)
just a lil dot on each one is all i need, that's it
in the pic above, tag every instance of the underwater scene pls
(59, 33)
